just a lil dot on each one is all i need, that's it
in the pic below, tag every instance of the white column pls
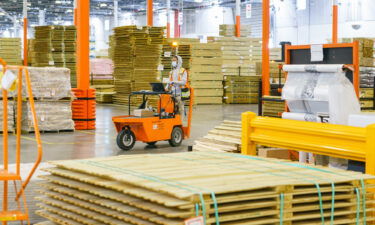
(25, 9)
(115, 13)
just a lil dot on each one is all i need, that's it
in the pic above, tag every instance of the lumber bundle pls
(205, 73)
(229, 30)
(275, 54)
(236, 60)
(223, 138)
(221, 187)
(366, 50)
(273, 108)
(367, 79)
(123, 62)
(104, 93)
(256, 49)
(241, 89)
(52, 116)
(10, 50)
(70, 46)
(11, 116)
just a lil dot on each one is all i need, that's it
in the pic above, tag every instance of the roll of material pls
(301, 117)
(324, 68)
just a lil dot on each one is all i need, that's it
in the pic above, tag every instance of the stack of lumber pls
(367, 98)
(273, 108)
(241, 89)
(224, 188)
(182, 41)
(366, 50)
(229, 30)
(223, 138)
(256, 49)
(104, 93)
(10, 50)
(70, 46)
(48, 46)
(52, 93)
(111, 49)
(11, 126)
(274, 71)
(205, 73)
(275, 54)
(124, 45)
(52, 116)
(236, 56)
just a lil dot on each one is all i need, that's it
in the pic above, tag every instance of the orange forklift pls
(165, 124)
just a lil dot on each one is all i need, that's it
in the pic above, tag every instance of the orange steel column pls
(238, 18)
(150, 13)
(265, 50)
(84, 105)
(335, 12)
(25, 42)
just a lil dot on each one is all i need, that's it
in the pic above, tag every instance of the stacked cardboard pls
(48, 46)
(223, 138)
(367, 84)
(235, 55)
(273, 108)
(241, 90)
(221, 187)
(10, 50)
(124, 45)
(205, 74)
(366, 50)
(70, 47)
(229, 30)
(11, 116)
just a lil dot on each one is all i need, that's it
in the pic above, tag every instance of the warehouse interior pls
(191, 112)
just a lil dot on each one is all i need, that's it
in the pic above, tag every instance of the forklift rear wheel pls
(176, 137)
(126, 139)
(152, 143)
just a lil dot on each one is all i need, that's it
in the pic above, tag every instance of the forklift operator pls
(177, 81)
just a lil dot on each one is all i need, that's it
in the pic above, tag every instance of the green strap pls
(358, 206)
(154, 179)
(281, 208)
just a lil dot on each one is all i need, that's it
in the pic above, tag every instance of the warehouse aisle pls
(102, 142)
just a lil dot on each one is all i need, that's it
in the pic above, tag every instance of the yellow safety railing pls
(339, 141)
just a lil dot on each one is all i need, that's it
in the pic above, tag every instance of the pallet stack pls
(222, 187)
(229, 30)
(256, 49)
(274, 71)
(273, 108)
(241, 89)
(124, 46)
(223, 138)
(10, 50)
(205, 73)
(275, 54)
(102, 79)
(366, 50)
(52, 93)
(70, 47)
(367, 83)
(235, 54)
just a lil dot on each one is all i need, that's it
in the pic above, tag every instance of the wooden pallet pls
(165, 188)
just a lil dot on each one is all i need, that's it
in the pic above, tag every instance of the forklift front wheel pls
(126, 139)
(176, 137)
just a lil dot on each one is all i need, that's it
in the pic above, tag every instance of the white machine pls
(319, 93)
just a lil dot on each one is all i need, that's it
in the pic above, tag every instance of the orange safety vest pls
(180, 75)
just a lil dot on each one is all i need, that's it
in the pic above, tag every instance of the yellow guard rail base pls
(339, 141)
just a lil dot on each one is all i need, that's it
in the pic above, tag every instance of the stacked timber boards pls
(273, 108)
(10, 50)
(222, 187)
(205, 73)
(223, 138)
(229, 30)
(241, 89)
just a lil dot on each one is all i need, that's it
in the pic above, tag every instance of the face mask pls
(174, 64)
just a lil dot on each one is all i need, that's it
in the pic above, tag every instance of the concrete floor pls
(102, 141)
